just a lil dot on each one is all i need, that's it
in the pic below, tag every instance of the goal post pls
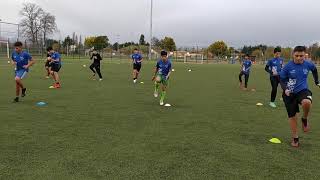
(193, 58)
(6, 44)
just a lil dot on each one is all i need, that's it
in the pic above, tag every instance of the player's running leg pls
(163, 94)
(92, 69)
(134, 75)
(240, 80)
(306, 106)
(19, 85)
(274, 80)
(97, 67)
(294, 128)
(246, 77)
(157, 86)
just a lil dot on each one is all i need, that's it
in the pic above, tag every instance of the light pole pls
(150, 45)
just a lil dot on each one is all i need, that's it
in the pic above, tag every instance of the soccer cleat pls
(295, 142)
(100, 79)
(16, 100)
(273, 105)
(155, 94)
(23, 94)
(305, 125)
(135, 81)
(161, 103)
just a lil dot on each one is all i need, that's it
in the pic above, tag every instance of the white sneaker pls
(135, 81)
(161, 103)
(155, 94)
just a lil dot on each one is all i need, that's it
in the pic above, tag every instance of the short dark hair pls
(277, 49)
(135, 49)
(49, 48)
(246, 55)
(18, 44)
(164, 53)
(300, 49)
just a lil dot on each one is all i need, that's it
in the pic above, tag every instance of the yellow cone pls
(275, 141)
(51, 87)
(259, 104)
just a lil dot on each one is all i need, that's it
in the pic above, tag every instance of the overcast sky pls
(190, 22)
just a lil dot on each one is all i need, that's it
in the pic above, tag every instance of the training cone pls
(259, 104)
(41, 104)
(141, 82)
(51, 87)
(167, 105)
(275, 141)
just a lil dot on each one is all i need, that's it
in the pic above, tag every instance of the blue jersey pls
(275, 66)
(246, 66)
(22, 59)
(56, 58)
(295, 76)
(136, 58)
(163, 67)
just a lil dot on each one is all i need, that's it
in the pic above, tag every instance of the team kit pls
(291, 77)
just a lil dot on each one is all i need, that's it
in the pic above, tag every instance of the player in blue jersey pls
(245, 71)
(294, 81)
(55, 66)
(274, 67)
(161, 76)
(137, 63)
(23, 61)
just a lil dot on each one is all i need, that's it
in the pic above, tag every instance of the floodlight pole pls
(150, 42)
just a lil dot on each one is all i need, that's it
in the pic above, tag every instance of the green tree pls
(101, 42)
(142, 40)
(155, 42)
(67, 42)
(218, 48)
(168, 44)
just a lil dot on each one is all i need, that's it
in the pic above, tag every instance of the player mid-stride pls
(161, 76)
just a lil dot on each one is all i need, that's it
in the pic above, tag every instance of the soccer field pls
(116, 130)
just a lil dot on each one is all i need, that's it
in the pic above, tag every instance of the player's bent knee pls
(17, 79)
(306, 102)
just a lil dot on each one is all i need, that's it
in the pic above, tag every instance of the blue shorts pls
(21, 73)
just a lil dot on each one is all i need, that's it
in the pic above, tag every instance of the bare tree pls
(31, 22)
(48, 25)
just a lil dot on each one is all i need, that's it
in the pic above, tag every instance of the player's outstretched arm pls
(315, 76)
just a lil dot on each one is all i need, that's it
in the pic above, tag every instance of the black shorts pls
(47, 64)
(55, 67)
(137, 67)
(292, 102)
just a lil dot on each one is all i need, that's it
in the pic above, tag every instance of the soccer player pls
(55, 67)
(274, 67)
(294, 81)
(161, 76)
(245, 71)
(47, 65)
(22, 60)
(137, 63)
(95, 66)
